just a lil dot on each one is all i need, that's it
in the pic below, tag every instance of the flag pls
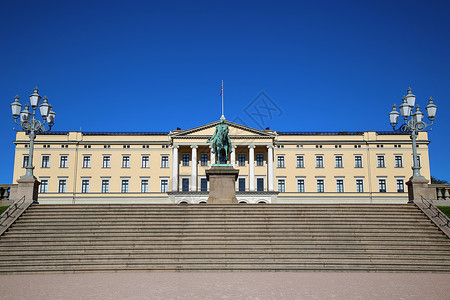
(221, 90)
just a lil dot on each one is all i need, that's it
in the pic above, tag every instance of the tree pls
(438, 181)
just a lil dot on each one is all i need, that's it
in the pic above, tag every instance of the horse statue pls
(221, 141)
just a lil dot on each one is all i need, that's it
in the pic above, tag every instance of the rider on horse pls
(221, 140)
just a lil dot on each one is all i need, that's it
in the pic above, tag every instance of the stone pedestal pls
(222, 189)
(418, 188)
(28, 188)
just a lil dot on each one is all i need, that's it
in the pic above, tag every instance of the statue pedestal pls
(222, 189)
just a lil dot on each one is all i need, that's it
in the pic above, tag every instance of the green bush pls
(445, 210)
(2, 209)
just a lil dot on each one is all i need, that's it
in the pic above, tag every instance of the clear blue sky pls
(154, 66)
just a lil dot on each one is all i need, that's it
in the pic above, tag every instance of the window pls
(124, 186)
(106, 161)
(25, 161)
(241, 159)
(398, 161)
(319, 161)
(85, 186)
(164, 161)
(281, 185)
(358, 161)
(63, 161)
(300, 185)
(145, 161)
(359, 186)
(105, 186)
(380, 161)
(280, 161)
(300, 161)
(62, 186)
(338, 161)
(44, 186)
(259, 160)
(86, 161)
(382, 185)
(320, 186)
(203, 184)
(164, 185)
(339, 185)
(125, 161)
(260, 184)
(400, 186)
(144, 185)
(185, 159)
(204, 160)
(185, 185)
(241, 184)
(45, 161)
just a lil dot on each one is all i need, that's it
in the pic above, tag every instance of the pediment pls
(236, 131)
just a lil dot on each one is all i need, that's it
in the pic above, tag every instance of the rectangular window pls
(145, 161)
(86, 161)
(106, 161)
(398, 161)
(339, 185)
(320, 186)
(164, 185)
(400, 186)
(338, 161)
(25, 161)
(204, 160)
(125, 161)
(382, 185)
(380, 161)
(105, 186)
(241, 184)
(359, 186)
(281, 185)
(358, 161)
(259, 160)
(62, 186)
(300, 185)
(124, 186)
(44, 186)
(45, 161)
(203, 184)
(260, 184)
(241, 159)
(319, 161)
(186, 159)
(144, 185)
(280, 161)
(164, 161)
(85, 186)
(185, 185)
(63, 161)
(300, 161)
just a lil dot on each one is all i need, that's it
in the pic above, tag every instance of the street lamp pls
(414, 124)
(29, 123)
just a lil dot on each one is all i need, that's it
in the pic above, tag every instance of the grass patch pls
(3, 208)
(445, 210)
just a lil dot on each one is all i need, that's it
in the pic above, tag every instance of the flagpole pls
(222, 100)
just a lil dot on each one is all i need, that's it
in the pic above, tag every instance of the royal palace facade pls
(274, 166)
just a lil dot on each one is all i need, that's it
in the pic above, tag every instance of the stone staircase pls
(265, 237)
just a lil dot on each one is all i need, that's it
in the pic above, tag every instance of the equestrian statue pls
(221, 141)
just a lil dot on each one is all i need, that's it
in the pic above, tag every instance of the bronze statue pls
(221, 141)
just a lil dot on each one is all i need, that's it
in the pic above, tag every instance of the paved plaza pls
(282, 285)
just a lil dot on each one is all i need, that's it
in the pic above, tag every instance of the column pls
(194, 168)
(175, 168)
(270, 167)
(251, 166)
(213, 157)
(233, 155)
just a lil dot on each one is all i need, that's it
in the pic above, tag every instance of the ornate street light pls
(414, 124)
(29, 123)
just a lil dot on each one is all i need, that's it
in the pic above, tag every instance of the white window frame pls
(84, 187)
(126, 161)
(319, 161)
(358, 160)
(145, 161)
(281, 162)
(300, 161)
(164, 161)
(301, 185)
(45, 163)
(64, 161)
(145, 187)
(86, 163)
(43, 187)
(106, 161)
(339, 161)
(164, 185)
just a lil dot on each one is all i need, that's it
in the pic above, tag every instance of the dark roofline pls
(105, 133)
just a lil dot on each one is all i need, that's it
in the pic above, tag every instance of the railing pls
(5, 191)
(442, 191)
(437, 213)
(9, 212)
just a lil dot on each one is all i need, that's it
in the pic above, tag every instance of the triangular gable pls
(235, 130)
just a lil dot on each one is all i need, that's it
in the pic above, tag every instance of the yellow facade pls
(270, 169)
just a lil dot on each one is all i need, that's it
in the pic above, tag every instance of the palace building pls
(274, 166)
